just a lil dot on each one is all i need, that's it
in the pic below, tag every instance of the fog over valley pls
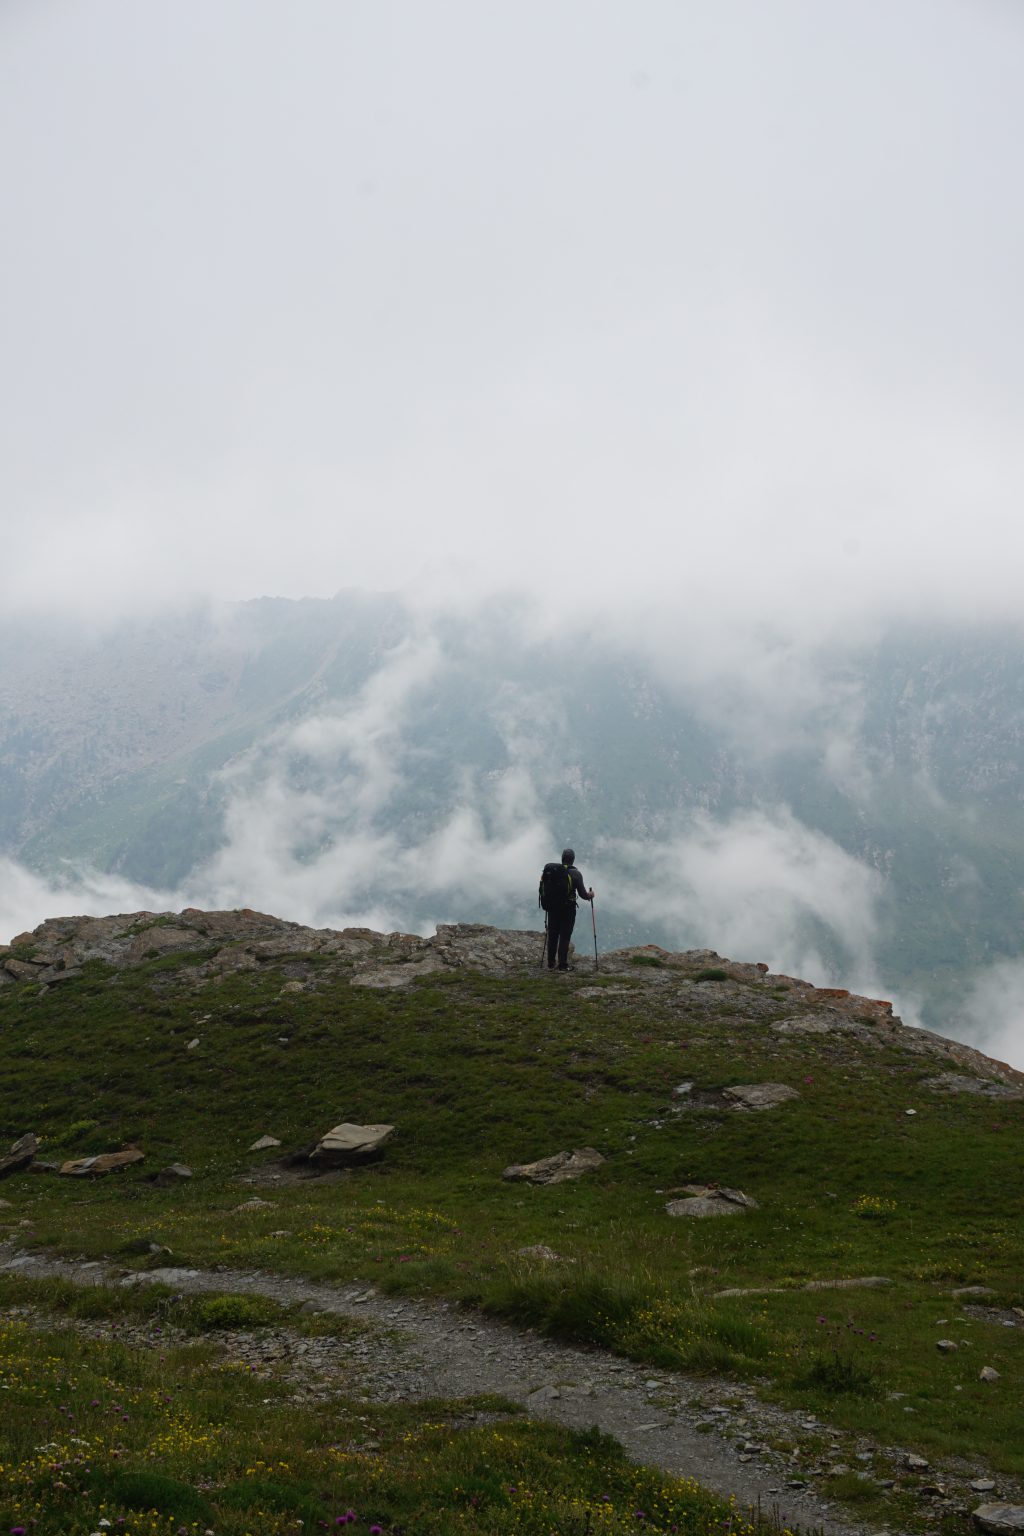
(432, 435)
(360, 762)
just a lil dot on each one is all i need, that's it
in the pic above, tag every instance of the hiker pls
(560, 887)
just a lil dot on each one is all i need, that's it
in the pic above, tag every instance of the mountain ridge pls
(56, 950)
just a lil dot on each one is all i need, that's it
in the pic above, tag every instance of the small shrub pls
(237, 1312)
(284, 1498)
(713, 973)
(837, 1373)
(650, 960)
(153, 1490)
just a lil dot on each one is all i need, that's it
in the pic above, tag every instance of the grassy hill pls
(191, 1036)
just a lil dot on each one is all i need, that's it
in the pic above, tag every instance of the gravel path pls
(713, 1430)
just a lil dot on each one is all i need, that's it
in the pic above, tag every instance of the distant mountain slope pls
(157, 749)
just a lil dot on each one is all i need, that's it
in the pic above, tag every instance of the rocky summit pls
(219, 943)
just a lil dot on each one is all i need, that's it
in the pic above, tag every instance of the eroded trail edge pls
(710, 1429)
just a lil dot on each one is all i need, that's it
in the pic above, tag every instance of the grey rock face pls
(556, 1169)
(999, 1518)
(957, 1082)
(759, 1095)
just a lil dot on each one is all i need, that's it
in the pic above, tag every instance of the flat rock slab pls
(759, 1095)
(999, 1518)
(703, 1205)
(854, 1282)
(402, 974)
(105, 1162)
(850, 1283)
(349, 1143)
(264, 1143)
(826, 1022)
(956, 1082)
(591, 993)
(556, 1169)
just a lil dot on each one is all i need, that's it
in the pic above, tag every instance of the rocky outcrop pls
(556, 1169)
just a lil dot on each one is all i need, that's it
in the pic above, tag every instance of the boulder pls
(20, 1156)
(174, 1173)
(556, 1169)
(23, 970)
(711, 1200)
(988, 1373)
(999, 1519)
(105, 1162)
(348, 1143)
(543, 1253)
(759, 1095)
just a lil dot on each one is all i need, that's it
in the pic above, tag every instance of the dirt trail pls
(712, 1430)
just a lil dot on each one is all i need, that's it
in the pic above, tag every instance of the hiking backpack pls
(556, 888)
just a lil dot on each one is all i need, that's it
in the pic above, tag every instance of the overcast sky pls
(718, 302)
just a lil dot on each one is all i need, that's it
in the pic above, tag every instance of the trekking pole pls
(593, 919)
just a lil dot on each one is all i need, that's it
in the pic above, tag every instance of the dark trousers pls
(560, 926)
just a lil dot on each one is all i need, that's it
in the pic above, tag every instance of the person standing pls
(561, 886)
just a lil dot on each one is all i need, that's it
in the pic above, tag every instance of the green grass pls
(476, 1073)
(148, 1439)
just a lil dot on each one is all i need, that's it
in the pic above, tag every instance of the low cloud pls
(334, 820)
(994, 1012)
(28, 899)
(759, 886)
